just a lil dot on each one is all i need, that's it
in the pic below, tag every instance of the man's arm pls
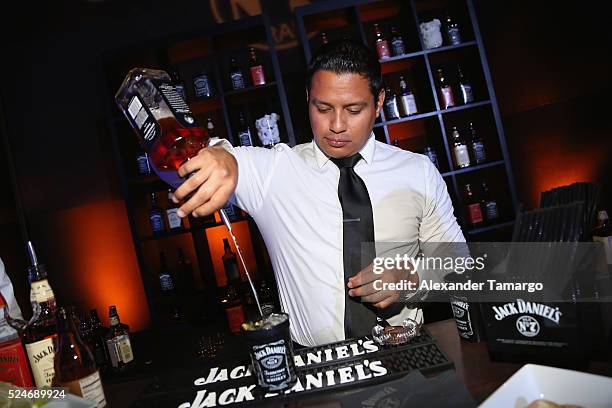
(221, 171)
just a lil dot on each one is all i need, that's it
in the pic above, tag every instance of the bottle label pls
(461, 312)
(14, 365)
(454, 37)
(143, 120)
(237, 80)
(120, 350)
(462, 157)
(474, 213)
(180, 89)
(143, 164)
(398, 46)
(202, 86)
(165, 281)
(271, 363)
(479, 152)
(392, 111)
(466, 93)
(245, 138)
(41, 291)
(235, 318)
(40, 355)
(491, 210)
(409, 104)
(174, 221)
(177, 105)
(382, 47)
(448, 99)
(157, 223)
(89, 387)
(257, 75)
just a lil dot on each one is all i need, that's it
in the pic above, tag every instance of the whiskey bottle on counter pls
(465, 87)
(397, 42)
(382, 45)
(75, 367)
(453, 34)
(95, 340)
(488, 203)
(474, 215)
(477, 146)
(407, 100)
(236, 75)
(244, 131)
(258, 76)
(231, 301)
(175, 223)
(14, 366)
(447, 97)
(156, 217)
(118, 342)
(40, 335)
(391, 106)
(460, 150)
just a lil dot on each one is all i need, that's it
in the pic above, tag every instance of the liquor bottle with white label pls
(118, 342)
(460, 149)
(245, 137)
(447, 97)
(407, 100)
(40, 335)
(175, 223)
(75, 367)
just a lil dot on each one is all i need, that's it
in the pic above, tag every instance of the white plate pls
(558, 385)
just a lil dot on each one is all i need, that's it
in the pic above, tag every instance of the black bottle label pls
(491, 211)
(461, 312)
(392, 109)
(201, 85)
(397, 45)
(479, 152)
(237, 80)
(454, 37)
(177, 105)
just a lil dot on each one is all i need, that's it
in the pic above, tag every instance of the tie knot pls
(350, 161)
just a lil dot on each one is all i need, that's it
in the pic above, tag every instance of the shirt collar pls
(367, 151)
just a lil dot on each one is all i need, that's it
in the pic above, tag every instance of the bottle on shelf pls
(203, 86)
(41, 332)
(236, 74)
(142, 163)
(156, 217)
(244, 131)
(460, 149)
(95, 340)
(175, 223)
(231, 300)
(465, 87)
(258, 76)
(323, 38)
(474, 215)
(166, 280)
(453, 34)
(396, 143)
(75, 367)
(382, 45)
(407, 100)
(391, 106)
(431, 153)
(178, 83)
(397, 42)
(14, 366)
(447, 97)
(477, 145)
(488, 203)
(118, 342)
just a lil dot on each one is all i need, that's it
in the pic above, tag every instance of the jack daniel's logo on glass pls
(273, 365)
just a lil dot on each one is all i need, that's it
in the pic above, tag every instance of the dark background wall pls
(550, 63)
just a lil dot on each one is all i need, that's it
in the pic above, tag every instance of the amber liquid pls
(177, 144)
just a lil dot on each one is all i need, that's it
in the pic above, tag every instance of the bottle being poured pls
(166, 130)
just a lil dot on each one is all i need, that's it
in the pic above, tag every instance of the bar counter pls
(165, 362)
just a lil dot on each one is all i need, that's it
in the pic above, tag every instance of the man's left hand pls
(362, 284)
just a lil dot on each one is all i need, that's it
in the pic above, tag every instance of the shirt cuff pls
(224, 143)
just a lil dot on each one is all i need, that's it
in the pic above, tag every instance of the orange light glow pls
(102, 263)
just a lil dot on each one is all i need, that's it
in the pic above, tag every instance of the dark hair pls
(344, 57)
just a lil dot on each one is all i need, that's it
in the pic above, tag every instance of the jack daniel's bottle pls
(40, 335)
(118, 341)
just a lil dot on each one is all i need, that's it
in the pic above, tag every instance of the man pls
(312, 200)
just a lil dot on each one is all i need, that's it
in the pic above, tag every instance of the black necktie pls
(358, 228)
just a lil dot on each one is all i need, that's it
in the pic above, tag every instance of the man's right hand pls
(214, 179)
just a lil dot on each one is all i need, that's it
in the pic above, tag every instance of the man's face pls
(342, 112)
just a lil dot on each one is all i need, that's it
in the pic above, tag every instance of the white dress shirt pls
(6, 288)
(292, 194)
